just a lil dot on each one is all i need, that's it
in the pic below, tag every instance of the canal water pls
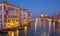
(36, 29)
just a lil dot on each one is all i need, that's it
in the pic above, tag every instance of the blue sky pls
(36, 7)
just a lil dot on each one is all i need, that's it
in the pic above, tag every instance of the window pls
(13, 16)
(8, 20)
(5, 21)
(4, 7)
(28, 15)
(0, 21)
(8, 16)
(11, 9)
(24, 15)
(20, 14)
(0, 7)
(1, 25)
(0, 16)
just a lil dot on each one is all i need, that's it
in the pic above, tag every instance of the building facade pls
(56, 17)
(8, 13)
(11, 15)
(25, 16)
(29, 17)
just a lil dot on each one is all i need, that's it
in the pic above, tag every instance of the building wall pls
(29, 17)
(2, 15)
(24, 15)
(56, 17)
(13, 13)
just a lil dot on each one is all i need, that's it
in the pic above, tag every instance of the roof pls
(10, 4)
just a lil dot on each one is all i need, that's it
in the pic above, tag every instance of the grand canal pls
(36, 29)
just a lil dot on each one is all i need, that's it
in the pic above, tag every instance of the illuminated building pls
(8, 12)
(25, 16)
(11, 15)
(29, 17)
(56, 17)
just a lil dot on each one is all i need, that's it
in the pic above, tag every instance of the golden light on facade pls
(58, 20)
(12, 24)
(25, 22)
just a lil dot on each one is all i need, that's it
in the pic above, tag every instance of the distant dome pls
(42, 15)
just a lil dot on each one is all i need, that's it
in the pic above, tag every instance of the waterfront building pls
(29, 17)
(26, 16)
(9, 14)
(23, 15)
(13, 16)
(43, 17)
(56, 20)
(56, 17)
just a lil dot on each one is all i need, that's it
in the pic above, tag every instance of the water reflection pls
(10, 33)
(13, 33)
(39, 28)
(17, 32)
(35, 26)
(40, 23)
(36, 23)
(53, 24)
(25, 30)
(50, 25)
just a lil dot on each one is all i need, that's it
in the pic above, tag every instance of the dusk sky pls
(36, 7)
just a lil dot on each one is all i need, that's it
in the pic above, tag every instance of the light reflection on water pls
(10, 33)
(25, 30)
(37, 29)
(13, 33)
